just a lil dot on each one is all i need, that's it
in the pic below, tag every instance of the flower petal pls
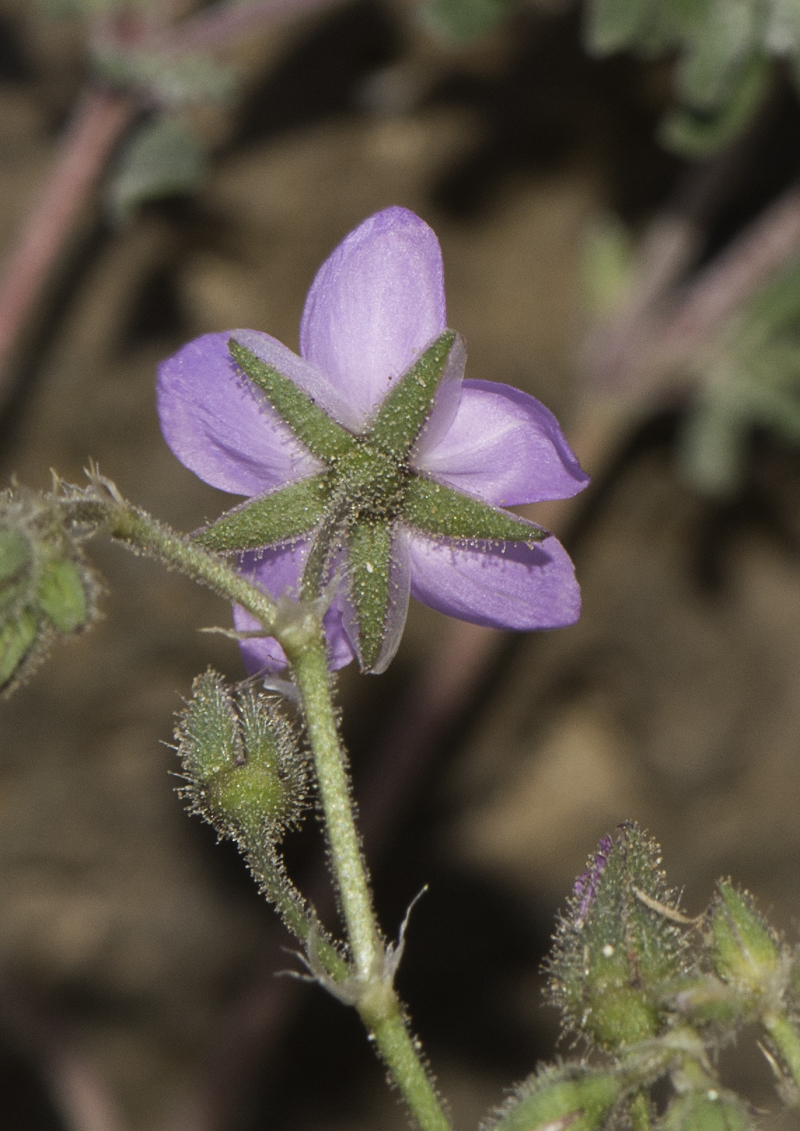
(374, 306)
(516, 586)
(505, 447)
(278, 571)
(218, 425)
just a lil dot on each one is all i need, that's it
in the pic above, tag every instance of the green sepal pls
(15, 554)
(709, 1109)
(62, 596)
(744, 948)
(435, 509)
(580, 1096)
(369, 546)
(17, 637)
(279, 517)
(407, 407)
(323, 437)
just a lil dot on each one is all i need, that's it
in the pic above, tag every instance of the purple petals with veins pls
(376, 304)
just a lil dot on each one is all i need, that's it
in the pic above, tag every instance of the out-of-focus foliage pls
(748, 379)
(725, 51)
(161, 158)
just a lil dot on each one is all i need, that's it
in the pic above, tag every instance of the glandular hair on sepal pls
(242, 762)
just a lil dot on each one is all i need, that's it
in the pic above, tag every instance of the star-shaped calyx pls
(365, 494)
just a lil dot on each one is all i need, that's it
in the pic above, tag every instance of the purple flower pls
(371, 466)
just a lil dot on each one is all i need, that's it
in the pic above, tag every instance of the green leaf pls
(369, 550)
(693, 134)
(61, 595)
(407, 407)
(439, 510)
(279, 517)
(461, 21)
(16, 639)
(323, 437)
(614, 24)
(162, 158)
(726, 37)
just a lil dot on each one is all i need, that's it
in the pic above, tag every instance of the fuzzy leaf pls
(323, 437)
(435, 509)
(407, 407)
(266, 521)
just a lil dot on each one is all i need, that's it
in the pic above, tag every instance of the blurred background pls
(137, 962)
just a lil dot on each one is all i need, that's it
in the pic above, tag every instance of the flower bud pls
(241, 760)
(617, 944)
(709, 1110)
(46, 586)
(744, 948)
(573, 1096)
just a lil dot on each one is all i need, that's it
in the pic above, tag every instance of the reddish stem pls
(98, 123)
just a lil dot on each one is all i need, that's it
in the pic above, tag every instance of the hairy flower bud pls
(569, 1095)
(744, 948)
(46, 586)
(241, 761)
(617, 943)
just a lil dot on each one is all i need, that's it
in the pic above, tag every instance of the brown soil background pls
(674, 701)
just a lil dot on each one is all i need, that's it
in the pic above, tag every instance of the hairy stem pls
(376, 999)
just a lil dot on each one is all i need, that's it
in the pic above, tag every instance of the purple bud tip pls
(585, 886)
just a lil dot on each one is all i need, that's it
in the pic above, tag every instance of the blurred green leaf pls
(613, 24)
(694, 134)
(161, 159)
(461, 21)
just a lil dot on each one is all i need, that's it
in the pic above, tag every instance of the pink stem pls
(736, 274)
(97, 125)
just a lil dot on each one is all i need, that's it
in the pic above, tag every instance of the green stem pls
(301, 635)
(145, 535)
(786, 1039)
(376, 1001)
(310, 666)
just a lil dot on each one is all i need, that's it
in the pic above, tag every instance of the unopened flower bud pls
(708, 1110)
(617, 943)
(556, 1098)
(241, 760)
(744, 948)
(46, 586)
